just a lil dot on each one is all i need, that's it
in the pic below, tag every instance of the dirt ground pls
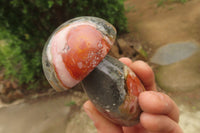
(168, 23)
(156, 26)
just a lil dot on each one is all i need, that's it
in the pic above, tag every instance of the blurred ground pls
(50, 113)
(169, 24)
(151, 28)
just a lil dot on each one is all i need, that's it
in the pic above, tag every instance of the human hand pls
(160, 113)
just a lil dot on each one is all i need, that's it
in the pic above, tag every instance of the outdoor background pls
(163, 33)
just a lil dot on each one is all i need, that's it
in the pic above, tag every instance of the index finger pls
(102, 124)
(143, 71)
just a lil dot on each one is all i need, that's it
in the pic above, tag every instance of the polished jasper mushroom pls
(77, 52)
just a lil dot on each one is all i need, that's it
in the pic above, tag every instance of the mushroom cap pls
(74, 49)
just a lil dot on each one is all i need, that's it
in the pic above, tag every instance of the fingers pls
(159, 123)
(134, 129)
(126, 61)
(102, 124)
(160, 114)
(143, 71)
(158, 103)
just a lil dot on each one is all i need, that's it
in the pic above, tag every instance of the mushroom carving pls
(77, 52)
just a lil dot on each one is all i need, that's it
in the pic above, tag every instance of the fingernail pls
(154, 93)
(159, 95)
(126, 58)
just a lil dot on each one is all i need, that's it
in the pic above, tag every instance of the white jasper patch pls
(127, 71)
(107, 110)
(80, 65)
(58, 43)
(49, 52)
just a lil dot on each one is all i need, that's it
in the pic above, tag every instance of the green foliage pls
(15, 62)
(162, 2)
(130, 8)
(26, 24)
(71, 103)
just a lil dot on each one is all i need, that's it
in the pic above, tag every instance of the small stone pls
(17, 94)
(126, 48)
(14, 85)
(2, 89)
(114, 51)
(14, 95)
(4, 99)
(7, 84)
(122, 44)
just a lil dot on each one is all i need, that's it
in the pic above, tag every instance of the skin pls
(160, 113)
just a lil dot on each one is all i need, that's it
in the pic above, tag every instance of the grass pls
(130, 8)
(143, 53)
(71, 103)
(163, 2)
